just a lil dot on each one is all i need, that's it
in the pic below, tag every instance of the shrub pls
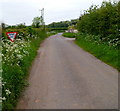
(102, 21)
(16, 61)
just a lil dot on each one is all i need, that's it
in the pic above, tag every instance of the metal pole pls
(42, 17)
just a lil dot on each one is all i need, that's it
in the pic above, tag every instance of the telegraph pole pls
(42, 18)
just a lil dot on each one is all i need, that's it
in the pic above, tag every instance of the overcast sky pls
(14, 12)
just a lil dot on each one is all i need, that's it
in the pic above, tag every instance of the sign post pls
(12, 35)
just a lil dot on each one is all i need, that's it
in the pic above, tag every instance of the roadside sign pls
(11, 35)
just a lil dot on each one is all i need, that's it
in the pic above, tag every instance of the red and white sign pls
(11, 35)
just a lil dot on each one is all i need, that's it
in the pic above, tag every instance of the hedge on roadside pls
(17, 58)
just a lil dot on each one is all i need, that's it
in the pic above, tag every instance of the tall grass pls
(101, 50)
(17, 59)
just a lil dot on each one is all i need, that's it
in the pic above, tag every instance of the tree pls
(103, 21)
(22, 25)
(37, 21)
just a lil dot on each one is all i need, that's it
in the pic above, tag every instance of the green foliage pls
(62, 24)
(70, 35)
(37, 21)
(17, 58)
(57, 29)
(22, 25)
(103, 21)
(101, 27)
(94, 45)
(51, 33)
(18, 26)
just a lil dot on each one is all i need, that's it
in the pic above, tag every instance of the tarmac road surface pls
(64, 76)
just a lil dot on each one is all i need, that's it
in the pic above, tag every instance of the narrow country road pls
(63, 76)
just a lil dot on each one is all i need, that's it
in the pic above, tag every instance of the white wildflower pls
(7, 91)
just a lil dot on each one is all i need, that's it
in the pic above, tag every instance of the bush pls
(17, 58)
(103, 21)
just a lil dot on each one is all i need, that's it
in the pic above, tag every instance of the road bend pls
(64, 76)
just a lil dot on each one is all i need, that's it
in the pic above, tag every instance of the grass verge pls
(70, 35)
(102, 51)
(14, 76)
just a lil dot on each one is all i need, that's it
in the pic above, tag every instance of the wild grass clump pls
(17, 58)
